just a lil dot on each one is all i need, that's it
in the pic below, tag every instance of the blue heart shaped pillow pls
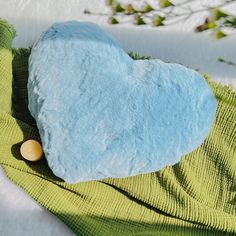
(102, 114)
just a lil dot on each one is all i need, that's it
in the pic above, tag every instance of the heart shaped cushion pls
(102, 114)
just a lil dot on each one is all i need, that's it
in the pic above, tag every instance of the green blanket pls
(197, 196)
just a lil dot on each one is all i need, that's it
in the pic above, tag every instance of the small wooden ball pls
(31, 150)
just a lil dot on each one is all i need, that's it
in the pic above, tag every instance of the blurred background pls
(199, 34)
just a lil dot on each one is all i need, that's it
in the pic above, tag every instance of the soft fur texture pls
(101, 114)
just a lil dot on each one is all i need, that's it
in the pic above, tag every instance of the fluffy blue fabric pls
(101, 114)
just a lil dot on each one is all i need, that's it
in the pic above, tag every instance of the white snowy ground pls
(19, 214)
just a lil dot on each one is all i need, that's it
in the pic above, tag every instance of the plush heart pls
(102, 114)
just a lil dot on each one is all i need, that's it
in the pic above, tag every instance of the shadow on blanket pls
(138, 228)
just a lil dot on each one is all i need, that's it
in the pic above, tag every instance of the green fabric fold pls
(197, 196)
(7, 34)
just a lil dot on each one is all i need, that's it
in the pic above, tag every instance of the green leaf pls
(158, 20)
(138, 20)
(147, 8)
(219, 34)
(86, 11)
(117, 8)
(221, 59)
(211, 25)
(217, 14)
(165, 3)
(136, 56)
(112, 20)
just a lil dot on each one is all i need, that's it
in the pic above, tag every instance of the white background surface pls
(19, 214)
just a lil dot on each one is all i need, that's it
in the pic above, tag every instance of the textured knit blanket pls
(197, 196)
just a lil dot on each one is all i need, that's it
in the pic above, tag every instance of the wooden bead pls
(31, 150)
